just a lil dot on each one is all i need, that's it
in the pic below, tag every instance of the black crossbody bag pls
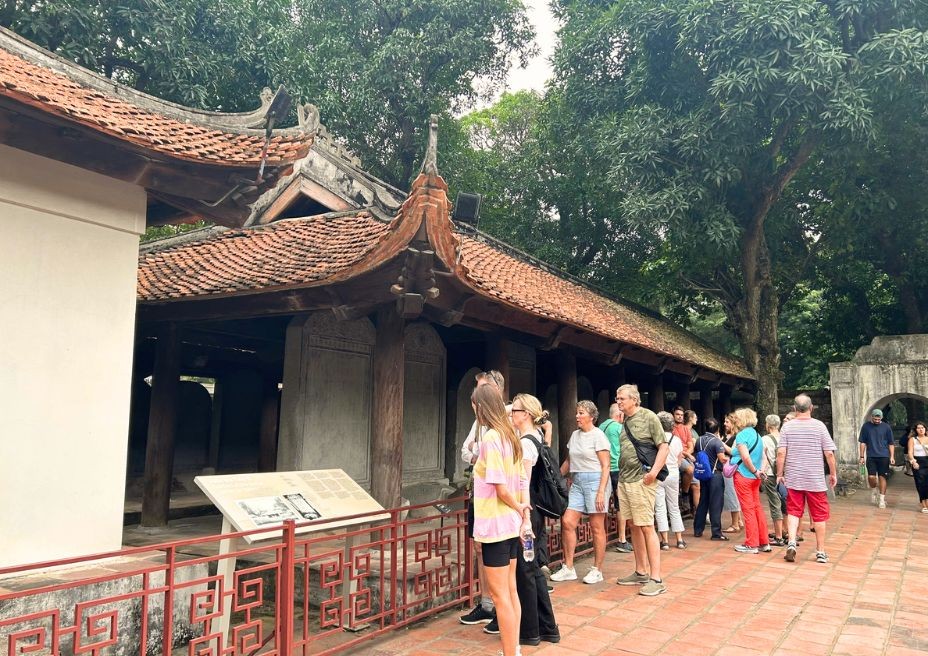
(646, 452)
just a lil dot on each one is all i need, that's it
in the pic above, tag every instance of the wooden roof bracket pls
(554, 339)
(695, 375)
(616, 357)
(453, 316)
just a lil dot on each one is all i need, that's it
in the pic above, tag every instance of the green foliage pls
(158, 232)
(207, 53)
(377, 70)
(706, 111)
(530, 160)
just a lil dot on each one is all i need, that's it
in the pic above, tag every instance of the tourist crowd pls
(647, 465)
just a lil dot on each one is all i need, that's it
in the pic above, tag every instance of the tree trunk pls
(755, 320)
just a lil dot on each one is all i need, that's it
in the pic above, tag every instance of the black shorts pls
(614, 477)
(878, 467)
(498, 554)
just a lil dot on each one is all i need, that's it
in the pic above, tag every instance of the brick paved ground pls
(869, 600)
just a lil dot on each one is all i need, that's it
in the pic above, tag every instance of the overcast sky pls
(539, 70)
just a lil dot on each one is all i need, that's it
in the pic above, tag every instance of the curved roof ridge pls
(245, 123)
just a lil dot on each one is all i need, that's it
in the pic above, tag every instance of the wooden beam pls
(387, 408)
(238, 306)
(162, 428)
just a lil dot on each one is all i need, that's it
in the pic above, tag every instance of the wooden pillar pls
(267, 439)
(162, 428)
(387, 408)
(706, 407)
(615, 379)
(498, 358)
(566, 365)
(215, 429)
(724, 400)
(683, 395)
(656, 394)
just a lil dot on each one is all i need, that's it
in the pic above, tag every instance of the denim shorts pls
(583, 492)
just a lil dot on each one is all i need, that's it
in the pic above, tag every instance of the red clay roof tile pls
(526, 286)
(283, 254)
(55, 93)
(303, 252)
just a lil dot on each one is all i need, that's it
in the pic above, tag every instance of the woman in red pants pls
(748, 453)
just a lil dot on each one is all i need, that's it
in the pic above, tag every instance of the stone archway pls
(891, 367)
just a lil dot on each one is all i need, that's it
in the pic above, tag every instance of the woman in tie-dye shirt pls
(501, 509)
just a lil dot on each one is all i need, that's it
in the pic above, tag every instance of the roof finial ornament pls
(308, 117)
(430, 163)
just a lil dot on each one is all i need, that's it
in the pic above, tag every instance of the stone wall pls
(821, 400)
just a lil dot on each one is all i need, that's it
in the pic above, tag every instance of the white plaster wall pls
(68, 256)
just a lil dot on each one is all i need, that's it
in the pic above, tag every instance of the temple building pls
(326, 319)
(350, 337)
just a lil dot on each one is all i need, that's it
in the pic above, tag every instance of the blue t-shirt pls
(748, 437)
(877, 437)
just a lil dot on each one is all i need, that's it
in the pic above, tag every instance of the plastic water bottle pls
(528, 547)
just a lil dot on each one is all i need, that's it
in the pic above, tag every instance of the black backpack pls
(547, 489)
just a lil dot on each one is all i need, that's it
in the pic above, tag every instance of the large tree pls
(529, 156)
(713, 107)
(376, 69)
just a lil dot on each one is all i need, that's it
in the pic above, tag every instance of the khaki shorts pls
(637, 502)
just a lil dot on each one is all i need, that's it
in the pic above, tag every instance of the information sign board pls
(251, 501)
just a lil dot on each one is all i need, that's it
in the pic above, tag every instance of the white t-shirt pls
(582, 449)
(676, 451)
(770, 454)
(529, 452)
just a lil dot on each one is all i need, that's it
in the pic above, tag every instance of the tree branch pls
(779, 137)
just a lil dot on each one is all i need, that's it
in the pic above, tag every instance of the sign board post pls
(266, 500)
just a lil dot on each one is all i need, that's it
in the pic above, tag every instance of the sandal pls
(681, 544)
(724, 538)
(732, 529)
(665, 546)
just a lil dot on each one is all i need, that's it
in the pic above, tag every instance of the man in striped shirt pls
(803, 441)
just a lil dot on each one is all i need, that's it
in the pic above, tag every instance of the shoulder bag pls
(646, 452)
(730, 467)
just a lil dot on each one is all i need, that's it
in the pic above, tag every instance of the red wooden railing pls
(318, 593)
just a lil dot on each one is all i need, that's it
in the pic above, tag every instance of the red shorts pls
(817, 501)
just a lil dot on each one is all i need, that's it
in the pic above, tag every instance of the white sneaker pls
(882, 501)
(873, 496)
(593, 576)
(564, 574)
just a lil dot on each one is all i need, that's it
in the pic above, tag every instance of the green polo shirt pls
(612, 429)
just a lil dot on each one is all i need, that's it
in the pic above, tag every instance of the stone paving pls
(866, 601)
